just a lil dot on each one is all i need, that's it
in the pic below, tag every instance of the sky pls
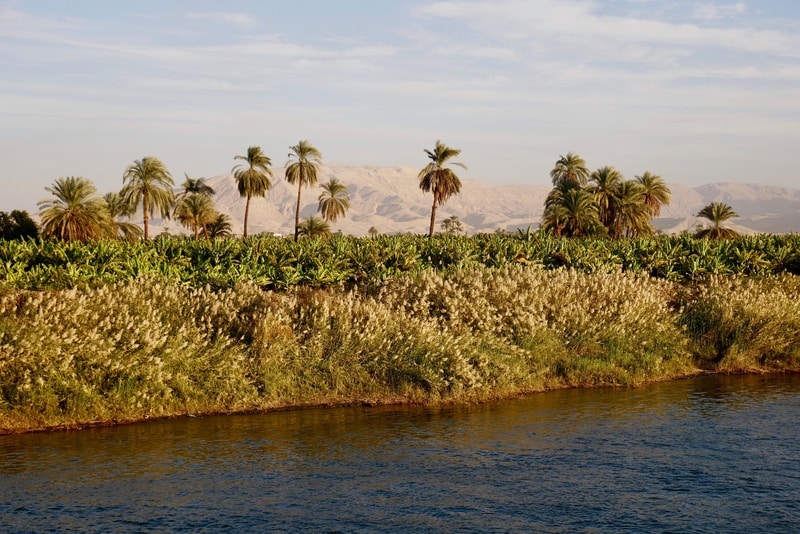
(694, 91)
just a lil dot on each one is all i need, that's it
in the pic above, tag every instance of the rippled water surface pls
(714, 454)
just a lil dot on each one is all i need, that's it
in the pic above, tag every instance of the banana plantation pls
(278, 263)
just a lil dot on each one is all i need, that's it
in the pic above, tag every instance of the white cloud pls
(578, 25)
(238, 20)
(606, 78)
(718, 11)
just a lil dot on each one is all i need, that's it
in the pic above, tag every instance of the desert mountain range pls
(389, 199)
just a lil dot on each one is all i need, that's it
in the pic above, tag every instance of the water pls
(714, 454)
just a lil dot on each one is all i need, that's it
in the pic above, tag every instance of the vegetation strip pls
(163, 340)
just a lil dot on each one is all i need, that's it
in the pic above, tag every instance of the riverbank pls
(153, 347)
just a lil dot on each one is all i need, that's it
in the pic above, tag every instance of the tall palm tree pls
(656, 193)
(717, 213)
(252, 178)
(219, 227)
(334, 200)
(440, 180)
(76, 213)
(314, 227)
(605, 188)
(575, 215)
(570, 168)
(633, 215)
(303, 172)
(148, 183)
(116, 209)
(196, 211)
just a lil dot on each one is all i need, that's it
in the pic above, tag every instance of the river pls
(710, 454)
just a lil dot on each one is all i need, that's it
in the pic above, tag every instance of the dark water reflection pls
(703, 455)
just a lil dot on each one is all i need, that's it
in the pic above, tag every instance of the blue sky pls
(697, 92)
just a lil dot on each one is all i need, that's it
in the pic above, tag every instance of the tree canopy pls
(435, 177)
(252, 177)
(76, 212)
(302, 169)
(148, 183)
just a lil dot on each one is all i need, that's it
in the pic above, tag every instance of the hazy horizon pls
(697, 92)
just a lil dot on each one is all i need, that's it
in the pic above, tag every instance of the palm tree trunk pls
(433, 217)
(246, 214)
(301, 181)
(146, 214)
(297, 212)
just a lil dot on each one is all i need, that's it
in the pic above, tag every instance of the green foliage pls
(17, 225)
(277, 263)
(740, 324)
(601, 203)
(314, 227)
(717, 213)
(148, 183)
(76, 212)
(220, 227)
(106, 353)
(461, 331)
(303, 171)
(252, 177)
(438, 179)
(452, 225)
(196, 211)
(333, 201)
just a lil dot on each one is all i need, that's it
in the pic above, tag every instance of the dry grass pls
(151, 347)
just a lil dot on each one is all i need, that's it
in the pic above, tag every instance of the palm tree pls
(656, 193)
(252, 178)
(373, 232)
(556, 195)
(148, 183)
(116, 209)
(196, 211)
(219, 227)
(633, 214)
(334, 200)
(452, 225)
(605, 188)
(717, 213)
(76, 212)
(302, 172)
(313, 227)
(440, 180)
(195, 185)
(570, 168)
(575, 215)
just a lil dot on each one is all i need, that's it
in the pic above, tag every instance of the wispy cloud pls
(602, 76)
(718, 11)
(238, 20)
(570, 25)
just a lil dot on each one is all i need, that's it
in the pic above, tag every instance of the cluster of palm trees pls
(253, 179)
(77, 212)
(581, 203)
(603, 202)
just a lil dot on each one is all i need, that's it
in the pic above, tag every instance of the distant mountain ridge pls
(389, 199)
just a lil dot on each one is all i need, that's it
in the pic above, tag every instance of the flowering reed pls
(156, 346)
